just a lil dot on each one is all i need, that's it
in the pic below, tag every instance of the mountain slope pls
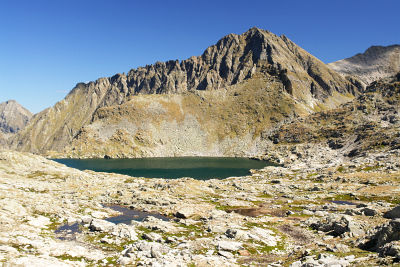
(257, 76)
(375, 63)
(369, 123)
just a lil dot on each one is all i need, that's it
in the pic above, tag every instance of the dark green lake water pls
(202, 168)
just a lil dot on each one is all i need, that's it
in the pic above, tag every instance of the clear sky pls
(47, 46)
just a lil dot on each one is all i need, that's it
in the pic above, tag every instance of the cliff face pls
(375, 63)
(219, 103)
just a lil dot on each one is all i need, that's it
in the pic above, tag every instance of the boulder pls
(185, 212)
(339, 248)
(152, 237)
(369, 212)
(264, 235)
(236, 234)
(393, 213)
(149, 249)
(337, 225)
(101, 225)
(39, 221)
(225, 254)
(125, 231)
(382, 235)
(308, 212)
(229, 245)
(323, 260)
(391, 249)
(154, 224)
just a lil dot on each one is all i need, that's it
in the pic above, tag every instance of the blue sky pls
(47, 46)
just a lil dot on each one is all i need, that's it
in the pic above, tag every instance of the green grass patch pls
(312, 174)
(369, 168)
(341, 169)
(129, 180)
(263, 195)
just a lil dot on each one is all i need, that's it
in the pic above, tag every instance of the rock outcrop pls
(375, 63)
(245, 82)
(382, 235)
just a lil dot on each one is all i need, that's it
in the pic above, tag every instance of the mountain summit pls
(13, 116)
(218, 103)
(375, 63)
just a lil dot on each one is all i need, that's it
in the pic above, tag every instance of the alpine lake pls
(201, 168)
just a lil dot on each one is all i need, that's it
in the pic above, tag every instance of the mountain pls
(221, 103)
(13, 117)
(375, 63)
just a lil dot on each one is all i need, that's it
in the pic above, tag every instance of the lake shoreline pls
(171, 167)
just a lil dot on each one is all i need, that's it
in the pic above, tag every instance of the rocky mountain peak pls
(13, 116)
(379, 49)
(256, 56)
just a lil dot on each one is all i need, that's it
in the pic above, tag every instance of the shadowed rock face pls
(375, 63)
(256, 78)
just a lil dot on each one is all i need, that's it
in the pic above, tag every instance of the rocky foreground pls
(341, 212)
(334, 201)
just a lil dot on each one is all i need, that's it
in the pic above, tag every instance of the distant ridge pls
(13, 116)
(375, 63)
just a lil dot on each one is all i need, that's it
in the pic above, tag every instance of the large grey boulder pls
(101, 225)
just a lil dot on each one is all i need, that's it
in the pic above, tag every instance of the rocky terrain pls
(334, 201)
(220, 103)
(375, 63)
(13, 117)
(278, 216)
(370, 121)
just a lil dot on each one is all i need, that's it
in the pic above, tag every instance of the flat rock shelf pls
(202, 168)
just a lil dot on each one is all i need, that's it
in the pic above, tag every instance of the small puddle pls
(67, 231)
(343, 202)
(130, 214)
